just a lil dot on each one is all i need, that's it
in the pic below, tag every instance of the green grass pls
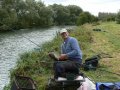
(107, 42)
(38, 65)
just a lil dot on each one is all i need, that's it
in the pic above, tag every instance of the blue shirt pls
(71, 47)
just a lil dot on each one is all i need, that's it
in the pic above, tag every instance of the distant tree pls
(17, 14)
(65, 15)
(21, 11)
(37, 14)
(45, 16)
(30, 14)
(86, 17)
(11, 18)
(74, 13)
(3, 16)
(94, 18)
(25, 13)
(60, 14)
(118, 18)
(103, 16)
(82, 19)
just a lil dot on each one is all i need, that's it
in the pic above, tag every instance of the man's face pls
(64, 35)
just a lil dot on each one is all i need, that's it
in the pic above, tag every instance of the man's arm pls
(75, 48)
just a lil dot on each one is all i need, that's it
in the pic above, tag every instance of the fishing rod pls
(27, 38)
(109, 72)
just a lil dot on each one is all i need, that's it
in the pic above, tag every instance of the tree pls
(83, 18)
(74, 13)
(103, 16)
(86, 17)
(45, 15)
(3, 17)
(3, 14)
(10, 17)
(118, 18)
(60, 14)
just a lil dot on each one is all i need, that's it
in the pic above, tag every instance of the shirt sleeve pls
(75, 48)
(61, 48)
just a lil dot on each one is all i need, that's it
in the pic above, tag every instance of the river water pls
(12, 44)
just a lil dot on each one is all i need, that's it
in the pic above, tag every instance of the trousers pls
(63, 67)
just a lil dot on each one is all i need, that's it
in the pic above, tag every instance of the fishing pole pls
(109, 72)
(27, 38)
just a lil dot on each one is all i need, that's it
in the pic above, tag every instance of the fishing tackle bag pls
(91, 63)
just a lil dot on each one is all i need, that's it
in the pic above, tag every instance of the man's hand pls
(63, 57)
(52, 55)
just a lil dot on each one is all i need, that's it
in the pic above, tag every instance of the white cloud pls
(93, 6)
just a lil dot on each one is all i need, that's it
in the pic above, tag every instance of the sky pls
(93, 6)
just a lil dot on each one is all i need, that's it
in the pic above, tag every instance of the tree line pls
(103, 16)
(18, 14)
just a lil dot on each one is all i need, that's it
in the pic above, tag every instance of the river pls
(12, 44)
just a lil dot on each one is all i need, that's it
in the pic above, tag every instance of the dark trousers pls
(63, 67)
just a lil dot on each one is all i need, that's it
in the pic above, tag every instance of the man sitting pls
(70, 58)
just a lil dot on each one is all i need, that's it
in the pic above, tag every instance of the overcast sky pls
(93, 6)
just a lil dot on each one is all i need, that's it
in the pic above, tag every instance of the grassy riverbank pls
(107, 42)
(38, 65)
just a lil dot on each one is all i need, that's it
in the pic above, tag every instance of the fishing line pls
(109, 72)
(27, 39)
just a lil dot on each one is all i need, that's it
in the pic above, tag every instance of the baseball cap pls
(62, 31)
